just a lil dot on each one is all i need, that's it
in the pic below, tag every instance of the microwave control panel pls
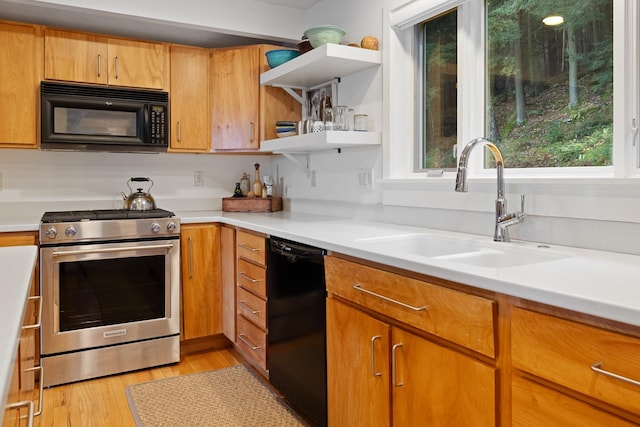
(159, 124)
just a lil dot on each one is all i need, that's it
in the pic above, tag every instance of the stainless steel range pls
(110, 286)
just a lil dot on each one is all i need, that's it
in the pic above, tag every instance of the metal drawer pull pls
(99, 65)
(245, 277)
(41, 397)
(39, 321)
(27, 403)
(246, 307)
(359, 287)
(190, 258)
(244, 246)
(373, 357)
(394, 365)
(247, 342)
(597, 367)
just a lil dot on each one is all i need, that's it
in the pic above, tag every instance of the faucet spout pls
(503, 220)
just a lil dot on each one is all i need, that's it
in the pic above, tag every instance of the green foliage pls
(553, 135)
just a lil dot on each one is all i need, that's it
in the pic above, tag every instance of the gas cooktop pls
(103, 214)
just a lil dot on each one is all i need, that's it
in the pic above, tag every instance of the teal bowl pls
(280, 56)
(324, 34)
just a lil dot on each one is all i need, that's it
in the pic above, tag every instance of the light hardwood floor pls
(102, 401)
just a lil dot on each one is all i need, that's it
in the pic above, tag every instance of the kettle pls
(139, 201)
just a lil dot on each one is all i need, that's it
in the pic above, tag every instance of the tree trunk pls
(573, 65)
(521, 112)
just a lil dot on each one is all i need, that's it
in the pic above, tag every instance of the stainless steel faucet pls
(503, 220)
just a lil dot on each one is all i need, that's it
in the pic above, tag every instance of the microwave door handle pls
(146, 120)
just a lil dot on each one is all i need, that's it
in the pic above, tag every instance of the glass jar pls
(245, 184)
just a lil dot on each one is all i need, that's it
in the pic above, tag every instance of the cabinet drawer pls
(252, 277)
(453, 315)
(251, 246)
(565, 353)
(252, 308)
(252, 341)
(536, 405)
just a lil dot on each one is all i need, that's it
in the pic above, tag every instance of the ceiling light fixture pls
(553, 20)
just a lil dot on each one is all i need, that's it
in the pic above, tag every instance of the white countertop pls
(604, 284)
(17, 265)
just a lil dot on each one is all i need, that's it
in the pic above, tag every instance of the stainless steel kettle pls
(139, 201)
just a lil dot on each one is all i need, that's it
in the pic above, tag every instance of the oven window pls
(85, 121)
(112, 291)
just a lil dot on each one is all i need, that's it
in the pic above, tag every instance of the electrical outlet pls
(198, 178)
(364, 178)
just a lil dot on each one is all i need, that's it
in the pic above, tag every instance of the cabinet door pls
(228, 259)
(190, 130)
(21, 68)
(137, 64)
(76, 57)
(536, 405)
(436, 386)
(235, 75)
(201, 293)
(357, 368)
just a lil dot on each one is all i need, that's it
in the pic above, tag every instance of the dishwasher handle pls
(295, 250)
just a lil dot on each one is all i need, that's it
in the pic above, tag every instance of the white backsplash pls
(65, 180)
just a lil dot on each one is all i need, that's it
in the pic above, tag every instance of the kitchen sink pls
(491, 258)
(477, 253)
(427, 245)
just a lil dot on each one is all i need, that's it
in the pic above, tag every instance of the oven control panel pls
(105, 230)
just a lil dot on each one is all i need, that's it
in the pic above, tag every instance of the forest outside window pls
(548, 85)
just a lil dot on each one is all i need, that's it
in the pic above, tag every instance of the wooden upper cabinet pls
(137, 63)
(77, 57)
(90, 58)
(189, 99)
(235, 97)
(243, 112)
(21, 68)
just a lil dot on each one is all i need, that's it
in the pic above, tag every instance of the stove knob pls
(171, 227)
(70, 232)
(51, 232)
(155, 227)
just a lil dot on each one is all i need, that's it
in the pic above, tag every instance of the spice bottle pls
(257, 185)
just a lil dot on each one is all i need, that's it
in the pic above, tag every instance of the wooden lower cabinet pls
(536, 405)
(26, 372)
(591, 367)
(228, 270)
(382, 375)
(251, 299)
(201, 276)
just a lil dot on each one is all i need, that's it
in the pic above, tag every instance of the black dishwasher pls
(297, 334)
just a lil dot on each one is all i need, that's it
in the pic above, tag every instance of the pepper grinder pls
(257, 185)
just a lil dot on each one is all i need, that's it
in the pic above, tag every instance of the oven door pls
(99, 295)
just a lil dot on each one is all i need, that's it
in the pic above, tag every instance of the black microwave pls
(99, 118)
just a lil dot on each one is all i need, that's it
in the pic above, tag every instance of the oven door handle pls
(107, 250)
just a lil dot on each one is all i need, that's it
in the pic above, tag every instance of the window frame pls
(403, 23)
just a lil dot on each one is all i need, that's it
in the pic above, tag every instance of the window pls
(439, 49)
(548, 86)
